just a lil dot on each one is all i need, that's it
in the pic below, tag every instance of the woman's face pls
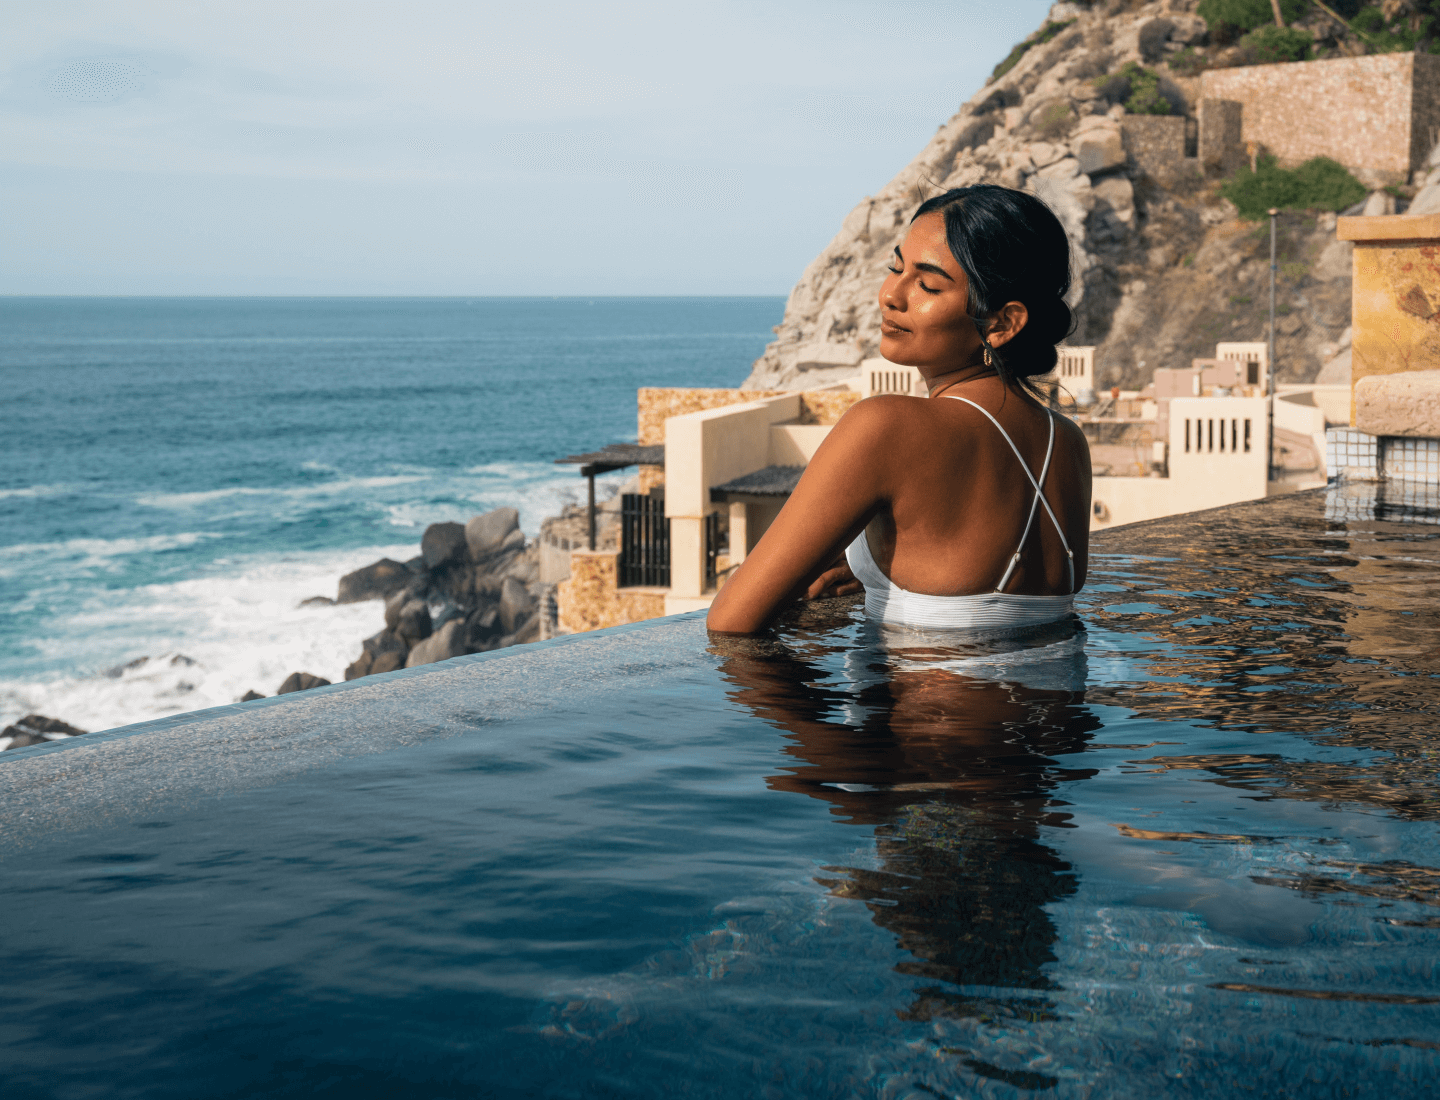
(924, 318)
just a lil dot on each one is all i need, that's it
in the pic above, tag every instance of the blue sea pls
(180, 473)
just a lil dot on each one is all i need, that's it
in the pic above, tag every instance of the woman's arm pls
(842, 488)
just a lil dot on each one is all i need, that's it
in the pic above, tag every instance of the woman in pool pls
(968, 510)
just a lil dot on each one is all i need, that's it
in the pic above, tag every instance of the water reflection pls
(945, 747)
(1283, 620)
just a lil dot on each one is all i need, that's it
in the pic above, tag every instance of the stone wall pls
(1156, 145)
(590, 600)
(1376, 115)
(825, 406)
(1221, 146)
(657, 403)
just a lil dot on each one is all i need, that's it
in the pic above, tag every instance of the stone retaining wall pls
(1377, 115)
(590, 600)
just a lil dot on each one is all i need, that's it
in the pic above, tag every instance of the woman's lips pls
(890, 328)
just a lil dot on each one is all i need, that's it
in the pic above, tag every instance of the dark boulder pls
(317, 601)
(484, 534)
(373, 582)
(300, 681)
(383, 652)
(35, 728)
(249, 696)
(442, 543)
(413, 622)
(129, 666)
(482, 627)
(23, 740)
(516, 604)
(445, 643)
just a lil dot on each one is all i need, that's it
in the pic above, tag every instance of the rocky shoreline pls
(472, 588)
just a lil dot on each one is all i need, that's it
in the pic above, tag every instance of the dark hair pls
(1012, 248)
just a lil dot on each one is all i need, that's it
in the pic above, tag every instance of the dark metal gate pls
(714, 537)
(644, 541)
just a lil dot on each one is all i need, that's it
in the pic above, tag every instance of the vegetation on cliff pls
(1318, 184)
(1163, 265)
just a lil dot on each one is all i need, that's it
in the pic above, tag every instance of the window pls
(1247, 434)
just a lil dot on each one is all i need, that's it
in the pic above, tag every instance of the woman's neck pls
(951, 379)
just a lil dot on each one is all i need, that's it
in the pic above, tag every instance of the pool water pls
(1187, 849)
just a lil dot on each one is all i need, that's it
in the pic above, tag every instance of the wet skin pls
(935, 487)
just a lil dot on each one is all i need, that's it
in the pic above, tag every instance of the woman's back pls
(933, 503)
(959, 499)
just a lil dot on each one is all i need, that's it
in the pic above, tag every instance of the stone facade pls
(1377, 115)
(825, 406)
(1156, 145)
(657, 403)
(1221, 144)
(590, 600)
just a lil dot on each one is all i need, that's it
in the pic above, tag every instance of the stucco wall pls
(1395, 308)
(1360, 111)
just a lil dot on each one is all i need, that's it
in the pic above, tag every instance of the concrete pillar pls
(1395, 303)
(739, 531)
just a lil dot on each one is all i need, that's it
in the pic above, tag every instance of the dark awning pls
(773, 481)
(616, 456)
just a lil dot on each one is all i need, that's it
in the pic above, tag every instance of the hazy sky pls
(434, 147)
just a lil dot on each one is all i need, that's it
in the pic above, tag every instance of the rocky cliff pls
(1164, 268)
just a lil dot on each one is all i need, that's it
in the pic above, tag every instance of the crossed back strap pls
(1034, 504)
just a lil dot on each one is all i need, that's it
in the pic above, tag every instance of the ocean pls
(181, 473)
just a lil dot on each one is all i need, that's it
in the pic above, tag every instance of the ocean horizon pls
(189, 469)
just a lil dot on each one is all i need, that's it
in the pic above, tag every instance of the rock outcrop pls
(36, 729)
(1163, 269)
(474, 587)
(300, 681)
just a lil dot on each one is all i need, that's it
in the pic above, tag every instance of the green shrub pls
(1188, 62)
(1043, 35)
(1054, 121)
(1268, 45)
(1246, 15)
(1318, 184)
(1135, 86)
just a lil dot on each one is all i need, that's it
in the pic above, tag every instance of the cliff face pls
(1163, 268)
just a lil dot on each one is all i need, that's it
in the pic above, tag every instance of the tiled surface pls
(1351, 455)
(1395, 501)
(1408, 459)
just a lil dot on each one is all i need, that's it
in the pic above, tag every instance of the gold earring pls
(989, 360)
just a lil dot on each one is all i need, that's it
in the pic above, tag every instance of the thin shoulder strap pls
(1039, 495)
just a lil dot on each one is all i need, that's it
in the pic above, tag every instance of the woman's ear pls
(1009, 320)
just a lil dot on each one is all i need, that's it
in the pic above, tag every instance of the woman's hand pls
(838, 580)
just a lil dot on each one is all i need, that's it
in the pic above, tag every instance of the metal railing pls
(644, 541)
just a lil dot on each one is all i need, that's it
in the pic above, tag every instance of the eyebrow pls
(925, 267)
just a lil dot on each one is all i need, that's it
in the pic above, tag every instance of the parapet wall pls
(656, 404)
(1378, 115)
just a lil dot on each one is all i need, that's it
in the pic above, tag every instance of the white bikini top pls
(887, 602)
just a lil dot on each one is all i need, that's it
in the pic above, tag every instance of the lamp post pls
(1270, 374)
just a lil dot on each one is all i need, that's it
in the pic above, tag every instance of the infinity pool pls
(1191, 849)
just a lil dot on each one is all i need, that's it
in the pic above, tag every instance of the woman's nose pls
(889, 294)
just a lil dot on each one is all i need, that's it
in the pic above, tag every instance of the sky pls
(432, 147)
